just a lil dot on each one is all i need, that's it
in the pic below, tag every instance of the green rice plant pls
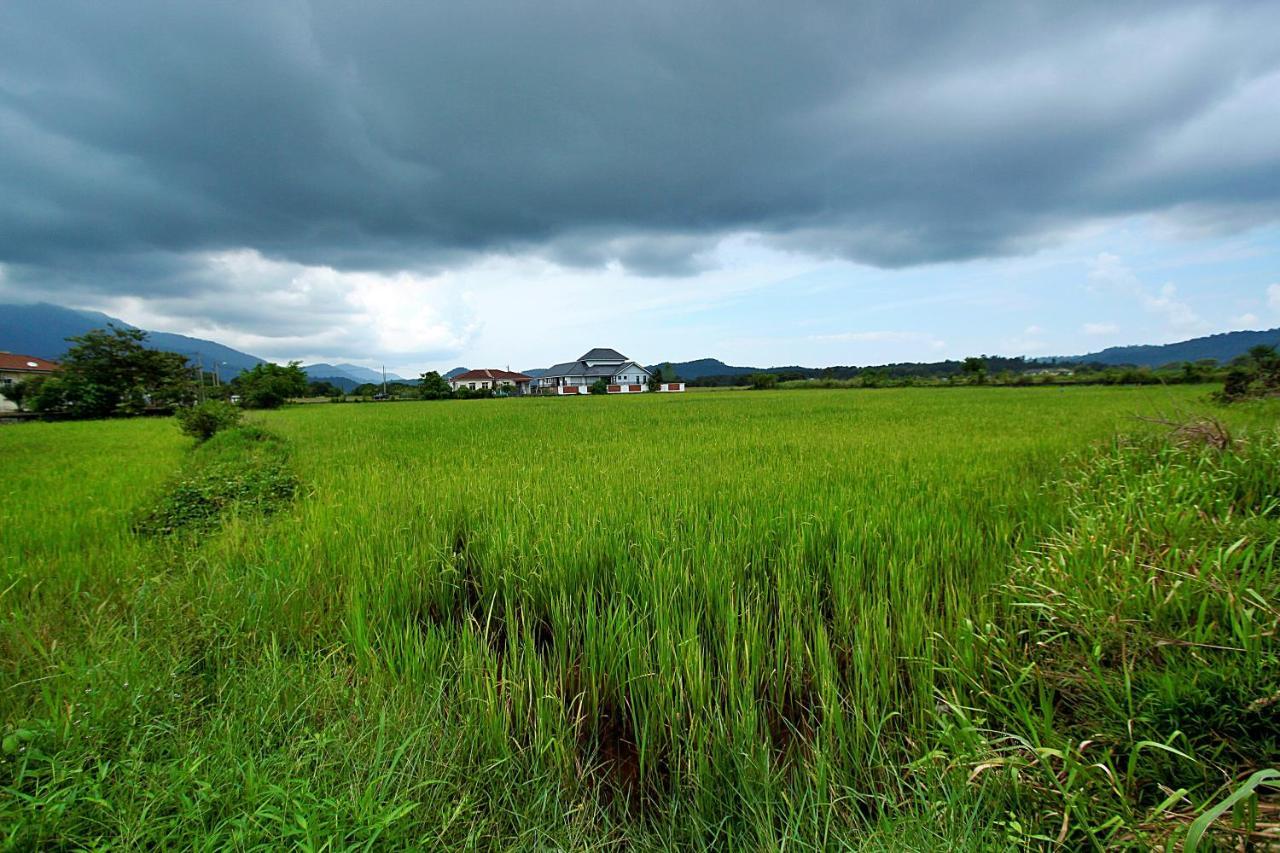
(705, 620)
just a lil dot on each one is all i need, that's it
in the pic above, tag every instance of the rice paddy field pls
(901, 619)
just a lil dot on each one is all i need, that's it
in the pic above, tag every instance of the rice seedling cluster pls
(876, 618)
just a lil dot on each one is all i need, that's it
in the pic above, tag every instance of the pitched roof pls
(579, 368)
(603, 354)
(491, 374)
(26, 363)
(566, 368)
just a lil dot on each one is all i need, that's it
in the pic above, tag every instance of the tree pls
(975, 367)
(763, 381)
(1237, 383)
(874, 377)
(1254, 375)
(268, 386)
(661, 374)
(1265, 357)
(323, 388)
(433, 386)
(110, 372)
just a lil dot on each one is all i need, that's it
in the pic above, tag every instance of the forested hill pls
(703, 367)
(1223, 348)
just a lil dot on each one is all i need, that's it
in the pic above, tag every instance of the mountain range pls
(41, 329)
(1223, 347)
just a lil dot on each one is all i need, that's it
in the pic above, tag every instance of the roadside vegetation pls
(912, 619)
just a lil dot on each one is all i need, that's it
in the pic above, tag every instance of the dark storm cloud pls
(384, 135)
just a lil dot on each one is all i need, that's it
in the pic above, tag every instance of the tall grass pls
(731, 619)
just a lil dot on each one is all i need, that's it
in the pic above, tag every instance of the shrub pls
(599, 387)
(202, 422)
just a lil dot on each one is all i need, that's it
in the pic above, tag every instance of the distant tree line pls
(112, 373)
(980, 370)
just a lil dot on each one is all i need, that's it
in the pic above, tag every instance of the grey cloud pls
(387, 135)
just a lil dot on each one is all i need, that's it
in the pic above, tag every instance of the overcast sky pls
(491, 184)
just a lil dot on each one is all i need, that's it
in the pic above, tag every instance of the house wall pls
(481, 384)
(632, 374)
(7, 376)
(474, 384)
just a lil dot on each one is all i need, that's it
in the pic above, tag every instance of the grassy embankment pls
(711, 619)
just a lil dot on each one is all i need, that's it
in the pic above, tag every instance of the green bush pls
(202, 422)
(599, 387)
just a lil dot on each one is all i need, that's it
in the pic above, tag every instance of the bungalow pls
(477, 380)
(15, 368)
(620, 374)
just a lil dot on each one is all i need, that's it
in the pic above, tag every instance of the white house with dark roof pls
(621, 375)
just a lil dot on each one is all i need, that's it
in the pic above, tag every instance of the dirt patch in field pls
(792, 716)
(608, 751)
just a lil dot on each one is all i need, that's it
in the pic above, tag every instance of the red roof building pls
(22, 366)
(15, 368)
(477, 380)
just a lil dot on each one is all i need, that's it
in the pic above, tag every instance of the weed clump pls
(244, 469)
(1134, 670)
(204, 421)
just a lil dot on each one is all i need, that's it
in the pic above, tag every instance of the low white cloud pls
(882, 336)
(1246, 320)
(1099, 329)
(1111, 274)
(285, 310)
(1179, 314)
(1030, 342)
